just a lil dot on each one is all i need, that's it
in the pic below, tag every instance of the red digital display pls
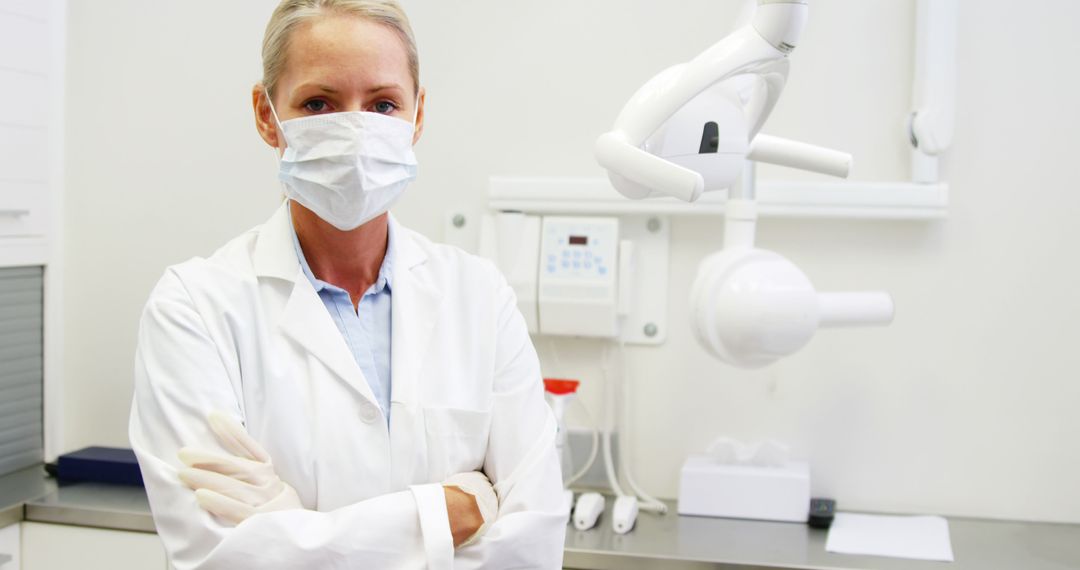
(579, 240)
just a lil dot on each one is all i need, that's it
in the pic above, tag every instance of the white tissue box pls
(711, 489)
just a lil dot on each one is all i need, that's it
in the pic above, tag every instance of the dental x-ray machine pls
(692, 129)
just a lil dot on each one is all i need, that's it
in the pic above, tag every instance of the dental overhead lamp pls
(691, 130)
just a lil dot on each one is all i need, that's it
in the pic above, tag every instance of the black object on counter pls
(822, 512)
(100, 465)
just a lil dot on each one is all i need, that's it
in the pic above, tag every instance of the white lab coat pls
(245, 332)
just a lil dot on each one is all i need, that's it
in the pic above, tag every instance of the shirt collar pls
(386, 271)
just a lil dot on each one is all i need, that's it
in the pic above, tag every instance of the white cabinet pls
(32, 46)
(9, 547)
(23, 208)
(62, 547)
(32, 70)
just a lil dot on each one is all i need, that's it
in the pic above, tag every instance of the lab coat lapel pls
(415, 301)
(305, 319)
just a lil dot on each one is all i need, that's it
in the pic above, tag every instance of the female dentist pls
(331, 389)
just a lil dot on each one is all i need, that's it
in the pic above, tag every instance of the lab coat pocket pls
(456, 440)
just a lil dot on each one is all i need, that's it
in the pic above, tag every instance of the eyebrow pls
(320, 87)
(386, 86)
(333, 91)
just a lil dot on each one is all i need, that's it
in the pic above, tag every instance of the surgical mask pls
(347, 167)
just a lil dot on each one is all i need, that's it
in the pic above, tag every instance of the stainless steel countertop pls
(700, 543)
(90, 504)
(30, 495)
(670, 542)
(19, 487)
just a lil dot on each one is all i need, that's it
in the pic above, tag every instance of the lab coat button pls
(368, 413)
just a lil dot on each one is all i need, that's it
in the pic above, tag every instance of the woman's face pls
(341, 63)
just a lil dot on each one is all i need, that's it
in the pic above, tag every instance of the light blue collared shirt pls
(367, 329)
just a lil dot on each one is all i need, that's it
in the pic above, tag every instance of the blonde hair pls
(291, 14)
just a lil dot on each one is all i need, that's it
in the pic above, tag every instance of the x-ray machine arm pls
(690, 130)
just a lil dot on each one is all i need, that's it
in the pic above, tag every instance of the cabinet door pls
(62, 547)
(9, 547)
(26, 144)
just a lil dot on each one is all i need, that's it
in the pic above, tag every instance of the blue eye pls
(385, 107)
(315, 106)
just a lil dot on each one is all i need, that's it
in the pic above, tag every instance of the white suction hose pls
(611, 421)
(609, 424)
(647, 501)
(592, 454)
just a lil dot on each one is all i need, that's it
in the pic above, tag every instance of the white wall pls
(163, 164)
(964, 406)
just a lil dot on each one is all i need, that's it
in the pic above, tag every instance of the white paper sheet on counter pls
(919, 538)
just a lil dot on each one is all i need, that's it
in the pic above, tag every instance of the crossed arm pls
(243, 483)
(180, 378)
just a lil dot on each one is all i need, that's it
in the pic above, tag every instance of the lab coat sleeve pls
(180, 376)
(530, 530)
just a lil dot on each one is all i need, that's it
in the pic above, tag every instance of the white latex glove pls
(477, 484)
(235, 487)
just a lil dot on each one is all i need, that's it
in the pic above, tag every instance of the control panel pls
(578, 286)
